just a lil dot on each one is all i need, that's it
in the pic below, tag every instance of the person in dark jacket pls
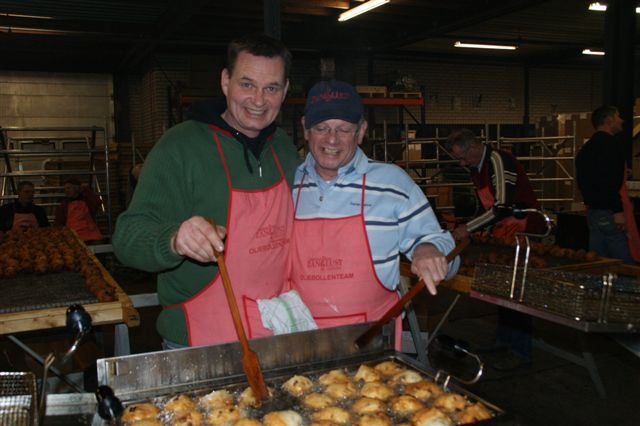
(500, 180)
(601, 174)
(22, 213)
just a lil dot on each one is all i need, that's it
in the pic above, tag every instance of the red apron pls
(256, 254)
(23, 220)
(508, 226)
(630, 220)
(80, 220)
(333, 271)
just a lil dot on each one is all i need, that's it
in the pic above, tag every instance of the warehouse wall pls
(470, 93)
(32, 99)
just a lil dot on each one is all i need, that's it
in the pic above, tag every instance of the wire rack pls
(18, 399)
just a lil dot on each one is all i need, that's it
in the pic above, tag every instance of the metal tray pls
(196, 370)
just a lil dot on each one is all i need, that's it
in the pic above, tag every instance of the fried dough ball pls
(247, 399)
(367, 374)
(377, 390)
(297, 385)
(137, 412)
(282, 418)
(217, 399)
(450, 402)
(423, 390)
(375, 419)
(247, 422)
(180, 403)
(475, 413)
(368, 406)
(324, 423)
(333, 377)
(430, 417)
(341, 390)
(389, 368)
(187, 418)
(333, 414)
(590, 256)
(405, 378)
(405, 405)
(221, 416)
(317, 401)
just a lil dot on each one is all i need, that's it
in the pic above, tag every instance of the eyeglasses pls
(339, 132)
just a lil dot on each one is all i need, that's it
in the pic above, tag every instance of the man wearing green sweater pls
(230, 163)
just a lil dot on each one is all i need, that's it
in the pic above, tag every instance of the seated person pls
(22, 213)
(78, 210)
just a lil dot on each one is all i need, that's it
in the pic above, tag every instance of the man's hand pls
(619, 221)
(460, 233)
(196, 238)
(430, 265)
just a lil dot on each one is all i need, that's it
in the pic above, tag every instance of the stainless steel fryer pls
(147, 376)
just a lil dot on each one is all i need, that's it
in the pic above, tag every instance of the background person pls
(78, 210)
(601, 174)
(22, 213)
(231, 163)
(499, 180)
(354, 218)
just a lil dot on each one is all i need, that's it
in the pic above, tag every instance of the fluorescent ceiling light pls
(601, 7)
(359, 10)
(593, 52)
(484, 46)
(597, 6)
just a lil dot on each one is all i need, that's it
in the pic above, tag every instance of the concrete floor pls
(551, 391)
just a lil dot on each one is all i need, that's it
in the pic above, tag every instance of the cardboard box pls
(443, 195)
(372, 91)
(413, 152)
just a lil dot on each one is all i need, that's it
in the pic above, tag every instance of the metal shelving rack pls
(548, 160)
(29, 152)
(550, 165)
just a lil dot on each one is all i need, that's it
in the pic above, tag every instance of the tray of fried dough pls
(386, 392)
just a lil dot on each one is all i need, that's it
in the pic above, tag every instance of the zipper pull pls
(260, 170)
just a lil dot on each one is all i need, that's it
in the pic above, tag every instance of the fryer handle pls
(109, 406)
(78, 320)
(448, 376)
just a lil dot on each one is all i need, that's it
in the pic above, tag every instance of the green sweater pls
(182, 177)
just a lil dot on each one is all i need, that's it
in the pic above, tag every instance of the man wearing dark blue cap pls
(354, 218)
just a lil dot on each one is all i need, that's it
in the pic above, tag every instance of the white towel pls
(286, 313)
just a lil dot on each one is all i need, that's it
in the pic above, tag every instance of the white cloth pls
(286, 313)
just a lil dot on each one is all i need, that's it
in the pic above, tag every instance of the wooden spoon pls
(250, 361)
(399, 306)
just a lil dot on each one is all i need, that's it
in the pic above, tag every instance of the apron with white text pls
(256, 255)
(333, 271)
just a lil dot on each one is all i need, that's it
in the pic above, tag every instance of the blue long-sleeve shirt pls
(398, 216)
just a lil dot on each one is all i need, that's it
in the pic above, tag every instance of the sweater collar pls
(357, 166)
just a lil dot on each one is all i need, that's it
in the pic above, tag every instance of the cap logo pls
(330, 96)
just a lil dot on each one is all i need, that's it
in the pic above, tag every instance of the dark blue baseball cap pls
(332, 99)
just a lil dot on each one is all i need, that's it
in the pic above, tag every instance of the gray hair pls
(461, 137)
